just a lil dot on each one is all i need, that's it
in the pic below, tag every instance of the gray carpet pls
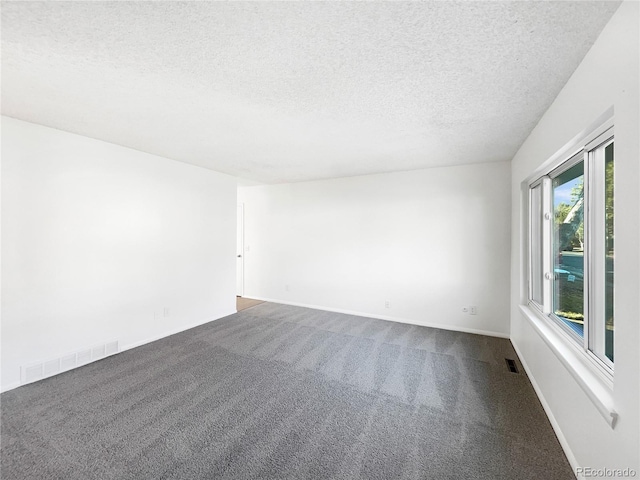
(279, 392)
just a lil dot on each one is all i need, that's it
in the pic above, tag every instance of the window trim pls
(594, 375)
(594, 382)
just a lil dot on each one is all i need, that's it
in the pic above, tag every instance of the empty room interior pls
(320, 240)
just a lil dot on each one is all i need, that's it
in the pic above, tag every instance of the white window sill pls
(594, 383)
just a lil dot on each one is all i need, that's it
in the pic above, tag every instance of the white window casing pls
(583, 353)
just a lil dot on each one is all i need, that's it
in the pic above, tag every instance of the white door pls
(240, 252)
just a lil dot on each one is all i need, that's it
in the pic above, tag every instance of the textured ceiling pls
(290, 91)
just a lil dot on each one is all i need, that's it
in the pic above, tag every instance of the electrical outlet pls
(387, 304)
(473, 310)
(465, 310)
(166, 311)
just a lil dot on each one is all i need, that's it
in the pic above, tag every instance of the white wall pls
(98, 239)
(608, 76)
(429, 241)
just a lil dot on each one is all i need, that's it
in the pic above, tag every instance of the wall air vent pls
(32, 373)
(53, 366)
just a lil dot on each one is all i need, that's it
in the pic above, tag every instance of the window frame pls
(555, 173)
(597, 279)
(583, 148)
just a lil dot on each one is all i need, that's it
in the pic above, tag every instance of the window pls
(568, 259)
(571, 245)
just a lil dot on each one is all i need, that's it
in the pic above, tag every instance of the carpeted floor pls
(286, 392)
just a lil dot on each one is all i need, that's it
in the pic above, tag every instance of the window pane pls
(536, 244)
(609, 249)
(568, 237)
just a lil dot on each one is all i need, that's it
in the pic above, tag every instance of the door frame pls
(240, 250)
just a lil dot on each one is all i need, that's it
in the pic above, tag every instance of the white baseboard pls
(441, 326)
(547, 409)
(129, 346)
(11, 386)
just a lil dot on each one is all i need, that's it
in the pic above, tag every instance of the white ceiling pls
(290, 91)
